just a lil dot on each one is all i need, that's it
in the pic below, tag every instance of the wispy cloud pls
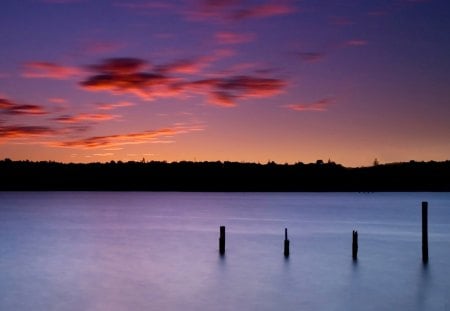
(49, 70)
(112, 106)
(95, 117)
(124, 76)
(57, 100)
(229, 10)
(311, 57)
(12, 108)
(226, 37)
(184, 66)
(263, 10)
(119, 65)
(318, 106)
(20, 131)
(226, 91)
(110, 141)
(106, 154)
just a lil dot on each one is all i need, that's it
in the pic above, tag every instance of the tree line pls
(223, 176)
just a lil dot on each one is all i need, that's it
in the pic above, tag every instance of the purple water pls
(159, 251)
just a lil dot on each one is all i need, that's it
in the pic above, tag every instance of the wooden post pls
(425, 232)
(286, 243)
(222, 240)
(355, 245)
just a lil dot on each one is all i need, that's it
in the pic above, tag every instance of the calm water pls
(159, 251)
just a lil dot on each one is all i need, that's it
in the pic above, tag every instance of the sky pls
(225, 80)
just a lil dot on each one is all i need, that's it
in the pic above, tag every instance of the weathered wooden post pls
(425, 232)
(355, 245)
(286, 243)
(222, 240)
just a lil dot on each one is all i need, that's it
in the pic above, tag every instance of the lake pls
(159, 251)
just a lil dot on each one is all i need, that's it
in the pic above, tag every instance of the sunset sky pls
(227, 80)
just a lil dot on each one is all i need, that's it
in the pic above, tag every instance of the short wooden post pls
(425, 232)
(222, 240)
(355, 245)
(286, 243)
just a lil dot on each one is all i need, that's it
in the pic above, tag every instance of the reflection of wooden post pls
(355, 245)
(425, 232)
(286, 244)
(222, 240)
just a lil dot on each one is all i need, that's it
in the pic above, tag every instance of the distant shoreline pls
(224, 177)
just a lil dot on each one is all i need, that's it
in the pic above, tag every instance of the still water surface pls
(159, 251)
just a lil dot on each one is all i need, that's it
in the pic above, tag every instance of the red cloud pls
(57, 100)
(225, 91)
(16, 132)
(222, 99)
(123, 75)
(9, 107)
(49, 70)
(233, 38)
(250, 86)
(263, 10)
(6, 104)
(104, 106)
(223, 10)
(119, 66)
(127, 139)
(86, 117)
(320, 105)
(185, 66)
(124, 78)
(26, 109)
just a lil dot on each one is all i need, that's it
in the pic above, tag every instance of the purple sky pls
(228, 80)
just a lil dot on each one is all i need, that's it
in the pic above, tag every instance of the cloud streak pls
(20, 131)
(95, 117)
(106, 106)
(49, 70)
(127, 75)
(311, 57)
(225, 91)
(318, 106)
(236, 10)
(263, 11)
(11, 108)
(229, 38)
(109, 141)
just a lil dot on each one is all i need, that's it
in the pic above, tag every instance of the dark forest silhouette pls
(223, 176)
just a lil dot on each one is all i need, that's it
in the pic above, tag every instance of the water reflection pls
(424, 283)
(161, 252)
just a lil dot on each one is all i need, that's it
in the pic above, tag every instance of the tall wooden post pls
(286, 243)
(222, 240)
(355, 245)
(425, 232)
